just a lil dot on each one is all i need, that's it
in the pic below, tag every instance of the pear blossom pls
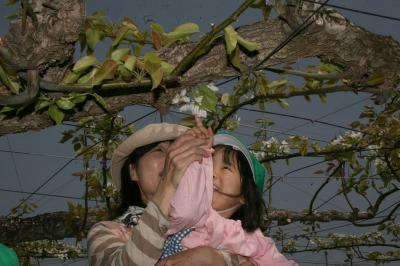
(212, 87)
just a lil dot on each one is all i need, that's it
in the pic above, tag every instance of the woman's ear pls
(241, 200)
(133, 173)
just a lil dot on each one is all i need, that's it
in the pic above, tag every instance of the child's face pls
(227, 184)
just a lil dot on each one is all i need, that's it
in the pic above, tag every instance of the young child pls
(195, 223)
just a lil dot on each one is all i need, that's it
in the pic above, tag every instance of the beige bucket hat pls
(147, 135)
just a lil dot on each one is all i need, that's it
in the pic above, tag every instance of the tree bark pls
(331, 37)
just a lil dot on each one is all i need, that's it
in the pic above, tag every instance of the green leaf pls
(70, 78)
(225, 99)
(331, 68)
(248, 45)
(78, 97)
(209, 100)
(8, 82)
(106, 71)
(157, 27)
(118, 54)
(152, 58)
(323, 97)
(65, 104)
(100, 100)
(376, 79)
(130, 24)
(166, 68)
(277, 83)
(84, 63)
(56, 114)
(130, 62)
(41, 104)
(152, 65)
(67, 135)
(122, 33)
(85, 120)
(262, 83)
(93, 36)
(284, 104)
(6, 109)
(235, 58)
(157, 40)
(82, 41)
(12, 16)
(87, 78)
(183, 31)
(230, 39)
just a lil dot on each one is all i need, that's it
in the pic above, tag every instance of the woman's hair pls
(251, 212)
(130, 191)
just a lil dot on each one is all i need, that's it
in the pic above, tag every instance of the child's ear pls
(133, 173)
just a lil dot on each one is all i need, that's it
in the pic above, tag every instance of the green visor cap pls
(226, 138)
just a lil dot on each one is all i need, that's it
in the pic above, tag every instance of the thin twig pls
(198, 51)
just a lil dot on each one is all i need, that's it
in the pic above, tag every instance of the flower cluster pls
(193, 104)
(272, 147)
(348, 139)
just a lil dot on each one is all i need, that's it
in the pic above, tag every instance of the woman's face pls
(227, 185)
(149, 170)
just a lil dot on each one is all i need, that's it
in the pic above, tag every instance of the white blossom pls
(337, 141)
(198, 99)
(379, 163)
(284, 148)
(354, 135)
(194, 109)
(269, 143)
(372, 150)
(259, 154)
(212, 87)
(176, 99)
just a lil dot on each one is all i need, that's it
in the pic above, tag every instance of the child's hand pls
(199, 131)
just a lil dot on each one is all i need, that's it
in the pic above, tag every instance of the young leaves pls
(83, 63)
(152, 65)
(183, 31)
(232, 38)
(106, 71)
(8, 82)
(209, 98)
(56, 114)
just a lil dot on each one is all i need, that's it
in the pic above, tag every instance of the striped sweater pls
(114, 243)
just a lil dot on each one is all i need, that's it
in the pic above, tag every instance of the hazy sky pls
(26, 172)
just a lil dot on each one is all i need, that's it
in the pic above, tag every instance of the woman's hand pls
(198, 256)
(192, 146)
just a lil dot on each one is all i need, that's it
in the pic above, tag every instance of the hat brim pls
(147, 135)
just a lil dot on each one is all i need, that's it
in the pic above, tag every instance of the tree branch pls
(273, 96)
(346, 47)
(60, 225)
(201, 47)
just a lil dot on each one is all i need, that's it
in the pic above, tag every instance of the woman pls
(147, 168)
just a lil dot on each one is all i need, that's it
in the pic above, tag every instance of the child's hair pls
(251, 212)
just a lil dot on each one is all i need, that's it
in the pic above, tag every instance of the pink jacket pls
(191, 208)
